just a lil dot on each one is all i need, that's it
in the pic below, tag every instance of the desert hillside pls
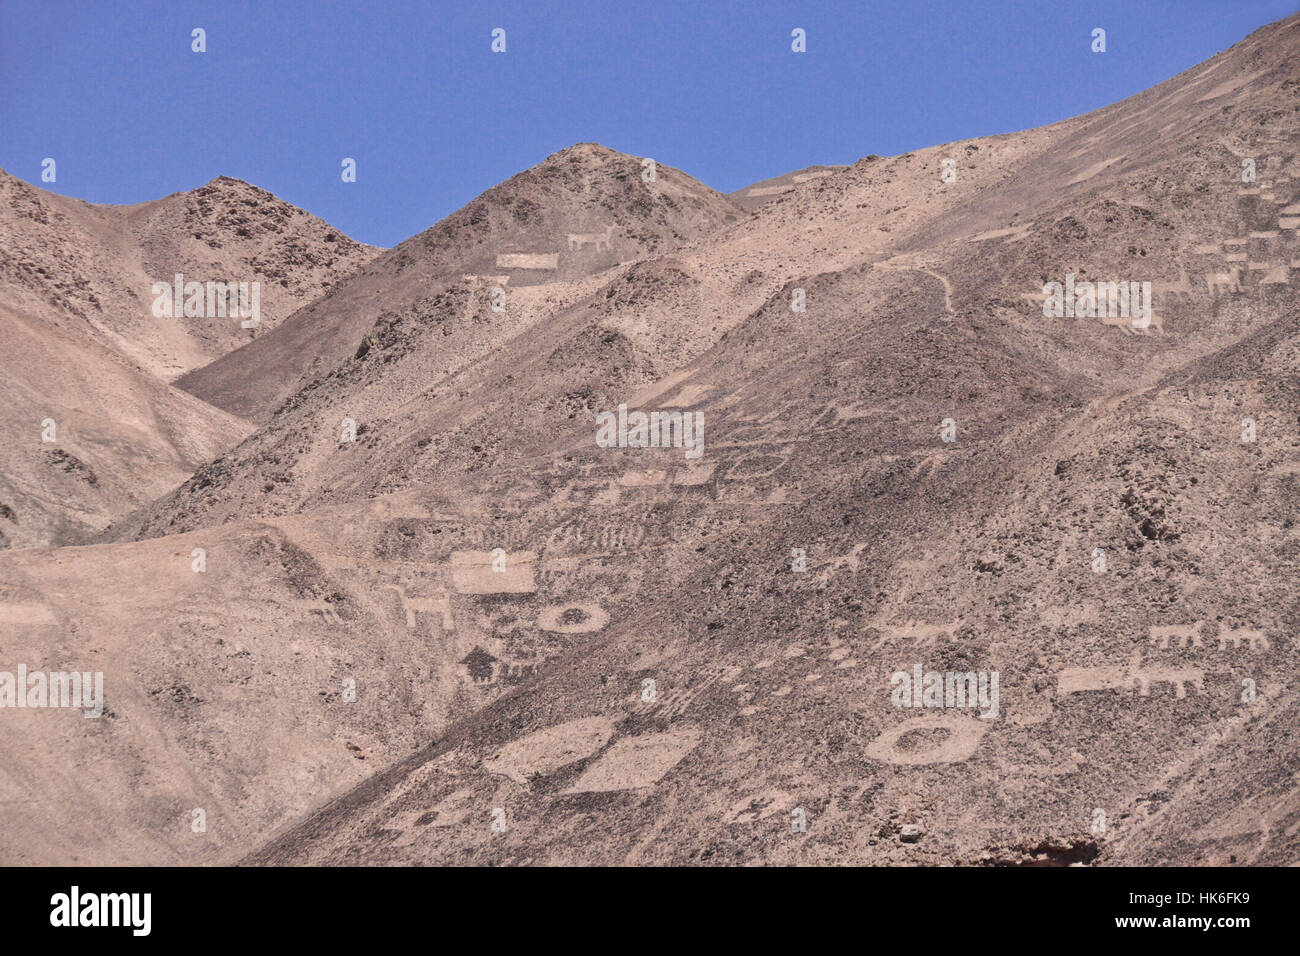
(94, 430)
(411, 608)
(580, 211)
(89, 269)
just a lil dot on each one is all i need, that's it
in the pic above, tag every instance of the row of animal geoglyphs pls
(1261, 257)
(641, 761)
(944, 737)
(1255, 251)
(1189, 636)
(920, 740)
(576, 242)
(1073, 680)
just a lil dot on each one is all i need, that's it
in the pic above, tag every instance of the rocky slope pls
(564, 653)
(89, 269)
(82, 349)
(580, 211)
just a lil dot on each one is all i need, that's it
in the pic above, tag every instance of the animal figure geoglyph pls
(601, 240)
(1229, 281)
(440, 605)
(920, 635)
(1180, 635)
(1254, 639)
(1072, 680)
(1134, 326)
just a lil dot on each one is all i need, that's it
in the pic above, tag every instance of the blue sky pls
(412, 91)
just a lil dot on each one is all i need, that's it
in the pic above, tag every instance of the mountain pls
(477, 635)
(1112, 531)
(83, 350)
(90, 269)
(427, 405)
(580, 211)
(88, 437)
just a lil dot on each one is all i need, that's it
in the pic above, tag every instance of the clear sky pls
(412, 91)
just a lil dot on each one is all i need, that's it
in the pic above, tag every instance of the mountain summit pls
(580, 211)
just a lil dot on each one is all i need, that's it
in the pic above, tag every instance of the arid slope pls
(81, 347)
(570, 654)
(580, 211)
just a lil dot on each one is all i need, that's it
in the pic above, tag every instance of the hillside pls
(80, 345)
(89, 269)
(580, 211)
(569, 653)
